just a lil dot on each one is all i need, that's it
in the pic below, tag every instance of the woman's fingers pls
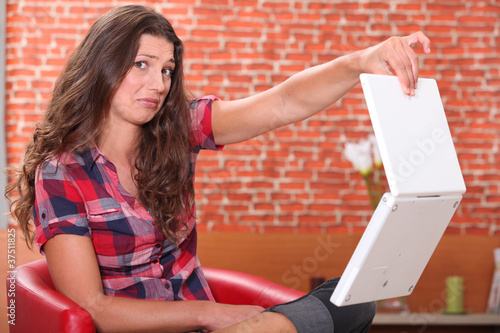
(402, 59)
(419, 37)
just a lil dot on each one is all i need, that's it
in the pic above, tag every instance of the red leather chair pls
(40, 308)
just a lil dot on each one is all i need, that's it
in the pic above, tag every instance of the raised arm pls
(312, 90)
(75, 272)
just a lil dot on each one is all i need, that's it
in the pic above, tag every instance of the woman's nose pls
(157, 82)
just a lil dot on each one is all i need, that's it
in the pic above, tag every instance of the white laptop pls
(426, 187)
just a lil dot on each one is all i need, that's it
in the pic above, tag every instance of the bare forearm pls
(117, 314)
(312, 90)
(301, 96)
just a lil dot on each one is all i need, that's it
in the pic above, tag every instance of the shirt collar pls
(93, 156)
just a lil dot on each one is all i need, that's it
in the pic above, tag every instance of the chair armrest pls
(40, 308)
(238, 288)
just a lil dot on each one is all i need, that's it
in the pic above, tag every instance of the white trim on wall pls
(3, 160)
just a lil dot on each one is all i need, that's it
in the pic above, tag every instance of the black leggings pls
(314, 313)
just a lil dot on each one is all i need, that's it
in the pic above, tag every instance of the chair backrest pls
(39, 307)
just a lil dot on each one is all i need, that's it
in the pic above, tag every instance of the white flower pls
(359, 154)
(376, 152)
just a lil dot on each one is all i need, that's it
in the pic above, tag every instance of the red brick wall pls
(296, 178)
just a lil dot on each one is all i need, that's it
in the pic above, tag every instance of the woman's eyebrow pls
(147, 55)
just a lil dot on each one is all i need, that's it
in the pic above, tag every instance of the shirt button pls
(158, 245)
(155, 261)
(167, 286)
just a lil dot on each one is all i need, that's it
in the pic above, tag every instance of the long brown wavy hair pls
(80, 101)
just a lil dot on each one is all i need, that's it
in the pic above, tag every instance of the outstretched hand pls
(396, 56)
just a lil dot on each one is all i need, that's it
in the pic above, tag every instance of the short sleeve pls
(59, 206)
(201, 114)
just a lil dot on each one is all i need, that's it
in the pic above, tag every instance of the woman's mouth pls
(151, 103)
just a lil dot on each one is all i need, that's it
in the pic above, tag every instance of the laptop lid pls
(426, 188)
(413, 137)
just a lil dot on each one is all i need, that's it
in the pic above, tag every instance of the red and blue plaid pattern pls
(81, 195)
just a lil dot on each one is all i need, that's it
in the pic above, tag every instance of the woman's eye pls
(167, 72)
(141, 64)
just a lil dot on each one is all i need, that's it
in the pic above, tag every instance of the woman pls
(107, 180)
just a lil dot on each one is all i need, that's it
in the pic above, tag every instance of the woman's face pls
(145, 86)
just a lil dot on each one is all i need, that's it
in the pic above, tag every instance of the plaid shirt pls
(81, 195)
